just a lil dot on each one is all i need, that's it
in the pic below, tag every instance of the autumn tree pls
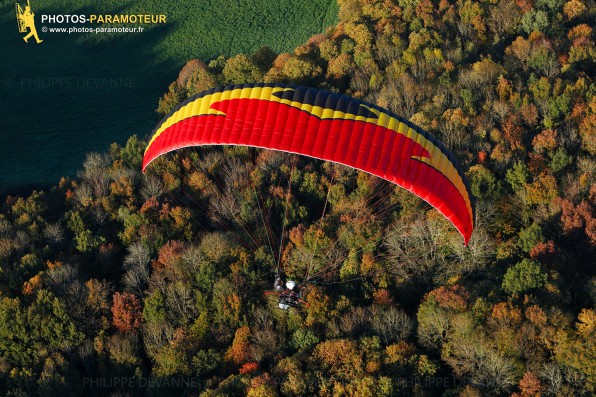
(126, 312)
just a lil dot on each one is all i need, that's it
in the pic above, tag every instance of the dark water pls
(74, 94)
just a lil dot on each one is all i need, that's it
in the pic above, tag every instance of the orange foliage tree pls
(126, 312)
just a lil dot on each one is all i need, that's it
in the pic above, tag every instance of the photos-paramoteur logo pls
(26, 22)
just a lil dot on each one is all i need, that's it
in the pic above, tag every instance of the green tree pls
(241, 69)
(173, 97)
(518, 175)
(132, 153)
(523, 276)
(29, 334)
(304, 338)
(529, 237)
(483, 183)
(206, 361)
(559, 159)
(535, 21)
(300, 70)
(85, 240)
(154, 309)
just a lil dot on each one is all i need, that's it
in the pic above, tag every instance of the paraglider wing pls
(323, 125)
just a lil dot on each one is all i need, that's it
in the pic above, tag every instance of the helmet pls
(290, 284)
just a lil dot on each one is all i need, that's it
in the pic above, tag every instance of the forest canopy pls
(159, 279)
